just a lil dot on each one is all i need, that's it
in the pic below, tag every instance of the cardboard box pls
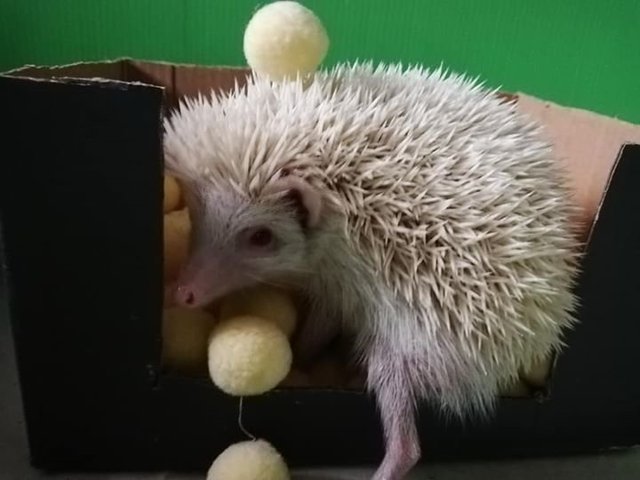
(81, 205)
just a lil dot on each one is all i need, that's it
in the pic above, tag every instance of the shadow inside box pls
(318, 475)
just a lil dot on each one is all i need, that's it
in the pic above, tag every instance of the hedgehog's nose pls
(185, 296)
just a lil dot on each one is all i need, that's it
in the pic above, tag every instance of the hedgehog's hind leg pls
(389, 377)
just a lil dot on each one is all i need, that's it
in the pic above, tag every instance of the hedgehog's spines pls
(450, 199)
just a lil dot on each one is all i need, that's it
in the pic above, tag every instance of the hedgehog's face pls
(237, 242)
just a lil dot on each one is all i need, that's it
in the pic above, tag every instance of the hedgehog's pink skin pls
(392, 377)
(413, 209)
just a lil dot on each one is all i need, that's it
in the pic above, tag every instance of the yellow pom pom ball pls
(248, 356)
(284, 39)
(251, 460)
(266, 302)
(172, 194)
(185, 334)
(177, 229)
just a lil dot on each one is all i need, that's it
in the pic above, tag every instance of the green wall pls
(584, 53)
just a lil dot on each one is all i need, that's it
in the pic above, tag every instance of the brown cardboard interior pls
(587, 144)
(177, 80)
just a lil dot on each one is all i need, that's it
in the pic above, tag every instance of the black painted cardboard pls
(80, 206)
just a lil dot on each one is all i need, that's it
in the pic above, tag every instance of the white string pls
(245, 431)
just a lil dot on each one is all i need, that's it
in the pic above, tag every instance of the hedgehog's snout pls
(185, 296)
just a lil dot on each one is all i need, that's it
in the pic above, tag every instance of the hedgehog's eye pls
(261, 237)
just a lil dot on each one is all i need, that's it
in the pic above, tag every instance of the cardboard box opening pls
(333, 369)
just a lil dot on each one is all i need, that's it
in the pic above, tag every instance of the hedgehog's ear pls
(301, 195)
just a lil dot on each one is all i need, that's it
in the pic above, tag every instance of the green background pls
(583, 53)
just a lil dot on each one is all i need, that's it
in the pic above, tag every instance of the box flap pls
(177, 80)
(151, 73)
(110, 70)
(588, 144)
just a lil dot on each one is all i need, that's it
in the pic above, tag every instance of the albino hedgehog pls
(412, 208)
